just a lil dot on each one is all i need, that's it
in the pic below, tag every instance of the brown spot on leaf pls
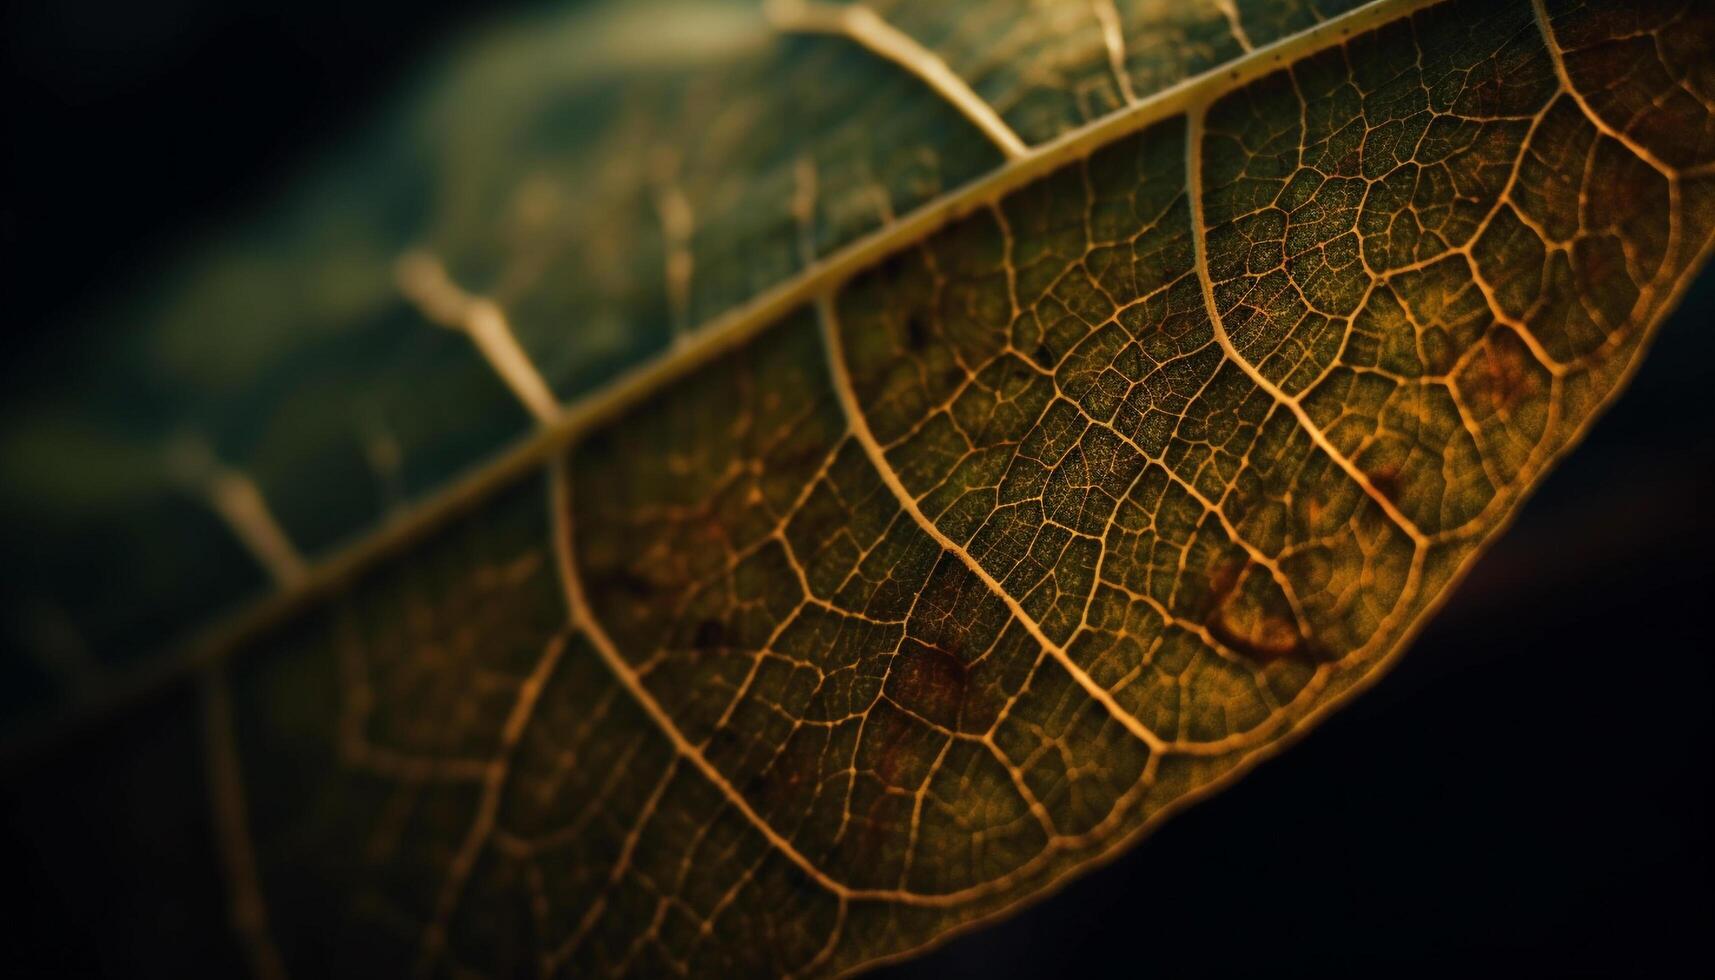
(632, 584)
(930, 683)
(1386, 479)
(1315, 506)
(1504, 377)
(1249, 616)
(710, 634)
(1261, 637)
(916, 332)
(785, 778)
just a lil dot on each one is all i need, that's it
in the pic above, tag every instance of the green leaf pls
(945, 440)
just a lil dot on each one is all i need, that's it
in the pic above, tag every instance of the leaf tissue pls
(721, 488)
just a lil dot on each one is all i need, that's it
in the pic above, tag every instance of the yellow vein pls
(718, 336)
(249, 910)
(840, 377)
(1113, 38)
(1230, 11)
(1200, 254)
(727, 331)
(424, 282)
(239, 503)
(865, 28)
(583, 619)
(488, 810)
(1545, 25)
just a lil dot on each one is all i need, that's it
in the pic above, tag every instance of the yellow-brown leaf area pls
(961, 577)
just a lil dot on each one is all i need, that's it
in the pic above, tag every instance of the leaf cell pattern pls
(990, 539)
(673, 201)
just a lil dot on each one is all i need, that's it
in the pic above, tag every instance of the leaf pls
(949, 440)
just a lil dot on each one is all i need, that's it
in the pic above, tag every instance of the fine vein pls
(840, 377)
(248, 908)
(866, 28)
(424, 282)
(1194, 189)
(718, 336)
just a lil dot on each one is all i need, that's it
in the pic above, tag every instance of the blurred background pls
(1529, 790)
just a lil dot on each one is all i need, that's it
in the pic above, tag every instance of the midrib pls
(714, 338)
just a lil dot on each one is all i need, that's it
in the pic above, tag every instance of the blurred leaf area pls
(1529, 790)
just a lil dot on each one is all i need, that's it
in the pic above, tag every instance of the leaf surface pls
(949, 438)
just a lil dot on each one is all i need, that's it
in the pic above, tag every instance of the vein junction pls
(424, 282)
(1021, 524)
(864, 27)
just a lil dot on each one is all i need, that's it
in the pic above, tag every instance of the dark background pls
(1529, 790)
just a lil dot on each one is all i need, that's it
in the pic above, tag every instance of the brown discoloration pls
(623, 579)
(788, 775)
(930, 683)
(1259, 636)
(1503, 375)
(709, 635)
(917, 333)
(889, 755)
(1223, 580)
(1592, 263)
(894, 760)
(1245, 624)
(1386, 478)
(750, 542)
(1316, 504)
